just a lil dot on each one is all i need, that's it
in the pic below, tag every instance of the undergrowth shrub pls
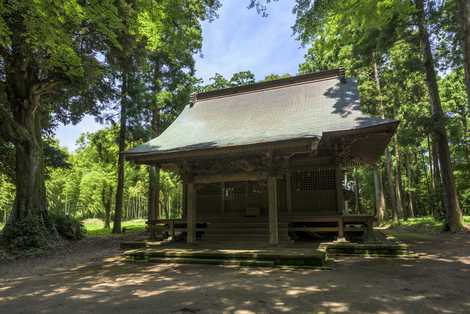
(24, 234)
(67, 226)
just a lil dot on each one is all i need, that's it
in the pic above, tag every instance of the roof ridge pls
(303, 78)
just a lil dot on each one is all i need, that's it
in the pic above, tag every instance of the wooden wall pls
(313, 193)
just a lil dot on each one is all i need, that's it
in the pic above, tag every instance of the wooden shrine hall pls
(261, 162)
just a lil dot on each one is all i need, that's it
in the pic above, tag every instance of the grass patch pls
(95, 227)
(426, 224)
(1, 226)
(420, 228)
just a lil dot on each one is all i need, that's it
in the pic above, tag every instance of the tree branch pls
(10, 130)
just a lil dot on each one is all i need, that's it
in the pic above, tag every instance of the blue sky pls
(238, 40)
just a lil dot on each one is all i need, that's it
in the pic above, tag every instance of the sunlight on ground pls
(95, 227)
(466, 219)
(1, 226)
(426, 224)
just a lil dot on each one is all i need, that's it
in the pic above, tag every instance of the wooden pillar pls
(340, 228)
(191, 214)
(222, 199)
(289, 192)
(184, 202)
(273, 211)
(339, 190)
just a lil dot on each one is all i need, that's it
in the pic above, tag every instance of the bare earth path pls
(91, 278)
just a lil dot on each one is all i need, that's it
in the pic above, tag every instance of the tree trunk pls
(454, 218)
(463, 14)
(24, 131)
(122, 147)
(411, 182)
(154, 181)
(29, 180)
(378, 184)
(154, 171)
(398, 182)
(391, 186)
(107, 202)
(379, 196)
(433, 163)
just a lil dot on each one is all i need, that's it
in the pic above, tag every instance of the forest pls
(130, 64)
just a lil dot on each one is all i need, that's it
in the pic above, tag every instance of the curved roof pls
(299, 107)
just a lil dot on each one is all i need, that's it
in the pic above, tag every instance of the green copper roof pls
(284, 110)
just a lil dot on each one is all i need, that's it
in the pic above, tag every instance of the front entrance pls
(243, 199)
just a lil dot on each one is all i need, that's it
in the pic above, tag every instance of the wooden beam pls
(287, 146)
(191, 214)
(256, 176)
(289, 192)
(273, 211)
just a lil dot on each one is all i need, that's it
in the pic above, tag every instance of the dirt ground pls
(91, 277)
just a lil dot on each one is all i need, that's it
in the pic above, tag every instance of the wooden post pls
(184, 203)
(273, 211)
(340, 229)
(191, 214)
(222, 200)
(172, 229)
(289, 192)
(339, 201)
(339, 190)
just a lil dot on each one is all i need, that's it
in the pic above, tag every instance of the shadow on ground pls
(436, 282)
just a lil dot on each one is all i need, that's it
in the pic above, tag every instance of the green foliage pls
(95, 227)
(26, 234)
(422, 224)
(80, 57)
(218, 81)
(273, 76)
(86, 188)
(7, 197)
(377, 43)
(67, 226)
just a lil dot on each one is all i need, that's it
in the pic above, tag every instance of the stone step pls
(265, 257)
(211, 261)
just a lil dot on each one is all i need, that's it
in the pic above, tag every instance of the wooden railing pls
(341, 223)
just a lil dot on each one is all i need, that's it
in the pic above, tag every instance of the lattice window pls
(314, 180)
(234, 191)
(256, 187)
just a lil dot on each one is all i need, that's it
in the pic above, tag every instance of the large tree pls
(454, 219)
(158, 39)
(50, 69)
(463, 13)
